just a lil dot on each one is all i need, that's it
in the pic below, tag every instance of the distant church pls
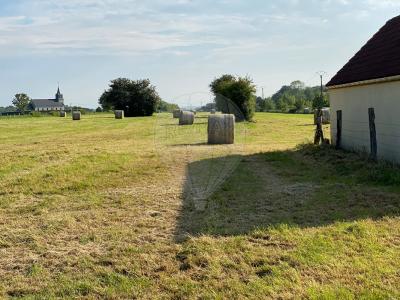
(56, 104)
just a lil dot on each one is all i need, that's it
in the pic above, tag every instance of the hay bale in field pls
(326, 116)
(76, 115)
(119, 114)
(63, 114)
(176, 113)
(186, 118)
(221, 129)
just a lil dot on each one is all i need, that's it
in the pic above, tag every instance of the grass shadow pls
(188, 144)
(307, 187)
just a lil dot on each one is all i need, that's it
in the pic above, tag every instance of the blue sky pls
(180, 45)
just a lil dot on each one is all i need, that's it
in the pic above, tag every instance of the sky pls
(180, 45)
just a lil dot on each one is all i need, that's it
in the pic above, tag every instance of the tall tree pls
(136, 98)
(21, 102)
(239, 91)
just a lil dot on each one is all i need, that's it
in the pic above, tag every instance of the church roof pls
(46, 103)
(379, 58)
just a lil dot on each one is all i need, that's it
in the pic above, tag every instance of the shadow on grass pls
(177, 124)
(306, 187)
(205, 144)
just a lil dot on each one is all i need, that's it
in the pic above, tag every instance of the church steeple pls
(59, 96)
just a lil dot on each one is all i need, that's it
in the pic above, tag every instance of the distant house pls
(56, 104)
(371, 79)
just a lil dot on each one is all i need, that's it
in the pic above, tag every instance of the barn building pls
(56, 104)
(370, 80)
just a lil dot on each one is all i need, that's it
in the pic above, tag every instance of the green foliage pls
(8, 109)
(320, 102)
(99, 109)
(36, 114)
(240, 90)
(264, 105)
(136, 98)
(21, 102)
(166, 107)
(296, 97)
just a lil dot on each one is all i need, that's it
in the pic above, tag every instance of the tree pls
(166, 107)
(221, 83)
(136, 98)
(21, 102)
(99, 109)
(260, 104)
(299, 104)
(269, 104)
(320, 102)
(240, 90)
(297, 96)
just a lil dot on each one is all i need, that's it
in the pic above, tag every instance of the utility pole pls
(322, 92)
(262, 91)
(321, 74)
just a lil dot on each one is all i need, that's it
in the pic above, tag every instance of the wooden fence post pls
(372, 134)
(338, 129)
(319, 133)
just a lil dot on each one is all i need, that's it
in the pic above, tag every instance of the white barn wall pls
(354, 103)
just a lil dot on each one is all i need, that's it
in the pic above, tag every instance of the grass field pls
(91, 209)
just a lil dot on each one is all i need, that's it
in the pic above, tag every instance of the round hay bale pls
(186, 118)
(326, 116)
(119, 114)
(63, 114)
(176, 113)
(221, 129)
(76, 115)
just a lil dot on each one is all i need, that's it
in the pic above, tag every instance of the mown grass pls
(90, 209)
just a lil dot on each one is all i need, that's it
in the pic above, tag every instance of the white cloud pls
(136, 27)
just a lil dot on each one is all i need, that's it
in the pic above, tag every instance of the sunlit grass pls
(94, 209)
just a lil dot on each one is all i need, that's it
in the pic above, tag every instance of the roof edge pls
(365, 82)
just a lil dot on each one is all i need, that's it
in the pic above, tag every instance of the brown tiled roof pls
(379, 58)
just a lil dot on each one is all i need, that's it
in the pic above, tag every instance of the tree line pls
(233, 94)
(294, 98)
